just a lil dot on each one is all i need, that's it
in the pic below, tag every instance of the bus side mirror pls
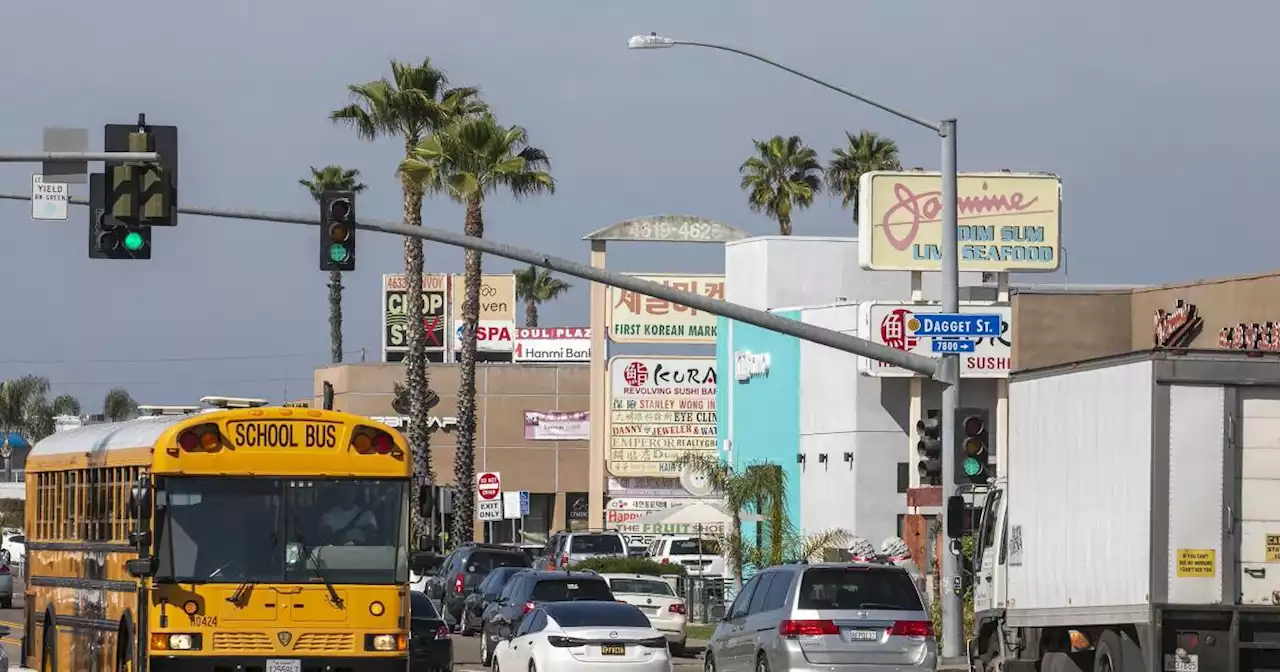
(425, 563)
(140, 499)
(426, 501)
(141, 568)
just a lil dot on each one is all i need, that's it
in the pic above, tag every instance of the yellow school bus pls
(247, 539)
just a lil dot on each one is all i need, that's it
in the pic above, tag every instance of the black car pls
(463, 570)
(488, 590)
(430, 646)
(526, 591)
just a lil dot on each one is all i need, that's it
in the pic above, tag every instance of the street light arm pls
(937, 128)
(908, 360)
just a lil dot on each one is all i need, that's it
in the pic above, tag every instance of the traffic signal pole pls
(921, 364)
(949, 372)
(41, 157)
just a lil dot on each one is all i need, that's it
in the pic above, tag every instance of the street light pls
(949, 374)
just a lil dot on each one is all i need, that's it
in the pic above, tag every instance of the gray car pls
(564, 549)
(850, 616)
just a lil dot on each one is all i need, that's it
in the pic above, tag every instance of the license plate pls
(861, 635)
(283, 665)
(612, 650)
(1187, 663)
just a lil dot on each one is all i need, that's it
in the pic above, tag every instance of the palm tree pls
(784, 174)
(25, 409)
(760, 491)
(118, 405)
(412, 104)
(534, 286)
(474, 158)
(866, 152)
(334, 177)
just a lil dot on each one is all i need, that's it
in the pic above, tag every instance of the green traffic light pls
(972, 467)
(133, 241)
(338, 253)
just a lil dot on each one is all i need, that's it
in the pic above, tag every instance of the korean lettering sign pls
(636, 318)
(660, 408)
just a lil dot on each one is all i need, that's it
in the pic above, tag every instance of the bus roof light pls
(362, 442)
(189, 441)
(210, 439)
(382, 443)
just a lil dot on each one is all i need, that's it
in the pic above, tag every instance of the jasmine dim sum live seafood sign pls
(1007, 221)
(660, 408)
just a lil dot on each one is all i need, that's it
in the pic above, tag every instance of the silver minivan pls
(848, 616)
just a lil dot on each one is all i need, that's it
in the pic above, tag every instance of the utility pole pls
(952, 603)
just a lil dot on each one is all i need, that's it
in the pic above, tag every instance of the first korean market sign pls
(660, 408)
(637, 318)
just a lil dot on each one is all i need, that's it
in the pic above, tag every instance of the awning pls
(700, 517)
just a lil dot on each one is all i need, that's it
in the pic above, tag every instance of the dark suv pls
(463, 570)
(525, 591)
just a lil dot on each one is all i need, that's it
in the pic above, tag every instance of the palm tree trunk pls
(464, 465)
(416, 362)
(737, 565)
(530, 313)
(335, 316)
(784, 225)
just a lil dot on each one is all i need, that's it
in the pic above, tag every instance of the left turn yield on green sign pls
(48, 199)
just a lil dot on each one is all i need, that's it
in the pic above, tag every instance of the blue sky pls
(1156, 114)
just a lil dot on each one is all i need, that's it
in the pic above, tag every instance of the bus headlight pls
(175, 642)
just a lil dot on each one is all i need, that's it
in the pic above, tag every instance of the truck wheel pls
(1116, 653)
(1057, 661)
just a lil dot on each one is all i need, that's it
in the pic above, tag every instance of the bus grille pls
(241, 641)
(323, 642)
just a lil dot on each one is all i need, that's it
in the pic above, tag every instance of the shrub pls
(628, 566)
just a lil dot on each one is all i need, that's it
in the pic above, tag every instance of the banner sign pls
(557, 426)
(552, 344)
(637, 318)
(497, 311)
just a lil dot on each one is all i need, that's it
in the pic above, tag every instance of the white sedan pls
(569, 636)
(656, 599)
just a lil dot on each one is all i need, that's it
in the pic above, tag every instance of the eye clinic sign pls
(1006, 221)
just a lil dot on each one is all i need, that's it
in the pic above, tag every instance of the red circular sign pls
(488, 486)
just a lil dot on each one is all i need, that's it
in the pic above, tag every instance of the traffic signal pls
(337, 231)
(973, 452)
(930, 449)
(110, 237)
(142, 193)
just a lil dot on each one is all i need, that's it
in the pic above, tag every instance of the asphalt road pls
(466, 650)
(12, 619)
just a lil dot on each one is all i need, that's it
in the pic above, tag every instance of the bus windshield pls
(233, 530)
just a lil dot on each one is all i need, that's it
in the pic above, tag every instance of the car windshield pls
(483, 562)
(641, 587)
(595, 543)
(857, 588)
(567, 590)
(231, 530)
(693, 547)
(598, 615)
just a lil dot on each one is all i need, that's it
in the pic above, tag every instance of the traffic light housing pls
(973, 449)
(142, 194)
(337, 230)
(110, 237)
(929, 447)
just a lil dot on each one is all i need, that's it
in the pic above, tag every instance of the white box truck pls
(1137, 523)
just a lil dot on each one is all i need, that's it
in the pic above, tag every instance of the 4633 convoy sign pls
(395, 315)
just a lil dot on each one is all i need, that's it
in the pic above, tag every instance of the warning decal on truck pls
(1273, 548)
(1197, 563)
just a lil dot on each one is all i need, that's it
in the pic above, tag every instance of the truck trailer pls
(1136, 525)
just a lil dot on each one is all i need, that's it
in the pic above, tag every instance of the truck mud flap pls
(1208, 638)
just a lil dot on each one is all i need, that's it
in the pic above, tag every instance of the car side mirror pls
(141, 568)
(718, 612)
